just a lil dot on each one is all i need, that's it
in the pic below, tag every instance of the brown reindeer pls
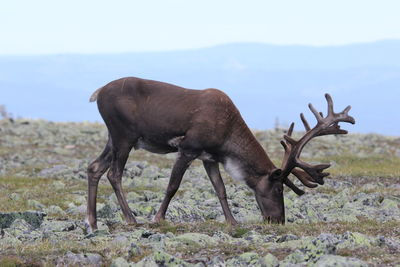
(199, 124)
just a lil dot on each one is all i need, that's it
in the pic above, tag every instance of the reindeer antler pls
(311, 174)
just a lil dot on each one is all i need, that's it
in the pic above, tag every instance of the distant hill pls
(265, 81)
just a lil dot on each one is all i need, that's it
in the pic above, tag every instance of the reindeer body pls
(163, 118)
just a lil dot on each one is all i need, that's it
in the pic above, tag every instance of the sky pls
(87, 26)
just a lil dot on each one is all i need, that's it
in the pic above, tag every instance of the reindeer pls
(199, 124)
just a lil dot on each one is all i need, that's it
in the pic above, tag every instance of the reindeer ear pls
(276, 174)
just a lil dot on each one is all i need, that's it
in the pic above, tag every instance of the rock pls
(36, 204)
(356, 240)
(151, 172)
(181, 212)
(143, 208)
(133, 197)
(21, 225)
(245, 259)
(120, 262)
(55, 171)
(310, 252)
(8, 240)
(83, 259)
(58, 185)
(216, 261)
(109, 210)
(34, 218)
(77, 210)
(134, 250)
(339, 261)
(146, 262)
(268, 260)
(222, 237)
(59, 226)
(165, 259)
(256, 238)
(120, 241)
(53, 209)
(191, 240)
(287, 237)
(390, 204)
(372, 199)
(15, 196)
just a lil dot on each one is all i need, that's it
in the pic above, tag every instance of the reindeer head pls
(269, 189)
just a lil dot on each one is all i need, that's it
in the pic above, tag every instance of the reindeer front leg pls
(212, 170)
(181, 164)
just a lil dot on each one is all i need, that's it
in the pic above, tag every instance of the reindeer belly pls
(154, 147)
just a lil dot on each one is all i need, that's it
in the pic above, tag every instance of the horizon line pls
(197, 49)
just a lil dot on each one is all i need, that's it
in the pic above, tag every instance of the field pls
(352, 220)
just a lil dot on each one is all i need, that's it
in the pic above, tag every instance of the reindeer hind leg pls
(95, 170)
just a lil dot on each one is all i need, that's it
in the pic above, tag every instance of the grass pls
(373, 166)
(39, 188)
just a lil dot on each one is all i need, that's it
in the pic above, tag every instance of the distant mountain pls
(265, 81)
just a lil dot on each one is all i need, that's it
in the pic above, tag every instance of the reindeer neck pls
(245, 156)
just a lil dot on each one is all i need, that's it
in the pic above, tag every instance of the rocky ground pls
(352, 220)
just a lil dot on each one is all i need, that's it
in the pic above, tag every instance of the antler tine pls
(304, 178)
(330, 104)
(290, 131)
(345, 117)
(292, 186)
(316, 113)
(346, 110)
(305, 122)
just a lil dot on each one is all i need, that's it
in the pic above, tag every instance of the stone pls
(356, 240)
(109, 210)
(390, 204)
(245, 259)
(53, 209)
(77, 210)
(54, 171)
(151, 172)
(36, 204)
(182, 212)
(339, 261)
(193, 239)
(83, 259)
(146, 262)
(34, 218)
(59, 226)
(58, 185)
(286, 237)
(120, 262)
(134, 250)
(268, 260)
(15, 196)
(165, 259)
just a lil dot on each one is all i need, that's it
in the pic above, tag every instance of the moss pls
(11, 261)
(239, 232)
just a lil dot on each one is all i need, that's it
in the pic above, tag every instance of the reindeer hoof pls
(232, 222)
(158, 219)
(90, 228)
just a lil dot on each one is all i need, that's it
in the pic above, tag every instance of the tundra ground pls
(352, 220)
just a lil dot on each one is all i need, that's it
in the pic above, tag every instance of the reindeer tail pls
(93, 98)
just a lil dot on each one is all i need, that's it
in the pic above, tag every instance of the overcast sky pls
(87, 26)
